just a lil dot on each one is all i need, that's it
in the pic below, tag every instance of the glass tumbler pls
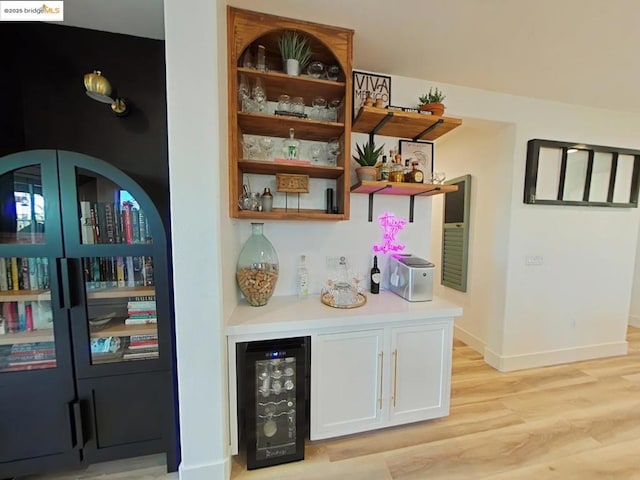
(297, 105)
(318, 108)
(284, 103)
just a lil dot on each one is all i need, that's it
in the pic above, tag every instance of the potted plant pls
(295, 51)
(432, 102)
(367, 158)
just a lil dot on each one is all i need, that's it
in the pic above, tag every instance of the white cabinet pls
(367, 379)
(346, 382)
(421, 377)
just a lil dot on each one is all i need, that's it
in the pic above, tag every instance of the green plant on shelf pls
(434, 96)
(295, 46)
(368, 154)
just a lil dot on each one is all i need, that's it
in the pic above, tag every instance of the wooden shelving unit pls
(25, 296)
(119, 292)
(391, 123)
(331, 46)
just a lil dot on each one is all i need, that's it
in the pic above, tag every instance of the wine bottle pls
(375, 276)
(303, 278)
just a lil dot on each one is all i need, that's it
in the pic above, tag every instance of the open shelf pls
(402, 188)
(391, 123)
(120, 292)
(411, 190)
(271, 168)
(279, 125)
(277, 83)
(291, 214)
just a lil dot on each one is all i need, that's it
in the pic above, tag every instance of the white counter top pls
(290, 314)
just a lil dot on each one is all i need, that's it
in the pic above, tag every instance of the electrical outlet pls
(533, 260)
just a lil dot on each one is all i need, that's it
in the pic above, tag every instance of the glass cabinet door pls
(121, 308)
(23, 206)
(26, 319)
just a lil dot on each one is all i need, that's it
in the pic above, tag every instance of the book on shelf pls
(142, 313)
(86, 223)
(14, 274)
(143, 345)
(3, 274)
(143, 338)
(141, 355)
(29, 366)
(127, 222)
(142, 298)
(141, 321)
(141, 305)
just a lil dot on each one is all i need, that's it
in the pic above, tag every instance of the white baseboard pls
(509, 363)
(211, 471)
(634, 321)
(468, 338)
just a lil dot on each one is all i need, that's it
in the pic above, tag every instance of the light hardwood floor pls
(576, 421)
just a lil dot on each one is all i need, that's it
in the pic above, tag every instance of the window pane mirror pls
(563, 173)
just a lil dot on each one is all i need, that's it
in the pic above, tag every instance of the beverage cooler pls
(274, 374)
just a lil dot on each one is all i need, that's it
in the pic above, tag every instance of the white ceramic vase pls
(293, 67)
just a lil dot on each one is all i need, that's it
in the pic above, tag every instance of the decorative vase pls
(435, 108)
(367, 173)
(292, 67)
(257, 268)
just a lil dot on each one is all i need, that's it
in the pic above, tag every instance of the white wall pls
(634, 314)
(484, 150)
(195, 100)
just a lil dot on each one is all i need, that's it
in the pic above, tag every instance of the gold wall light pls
(99, 88)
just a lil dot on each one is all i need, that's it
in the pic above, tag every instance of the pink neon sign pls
(391, 226)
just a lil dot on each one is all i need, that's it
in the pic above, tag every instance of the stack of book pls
(28, 356)
(142, 347)
(141, 310)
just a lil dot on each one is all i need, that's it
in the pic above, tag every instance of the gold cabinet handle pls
(381, 355)
(395, 376)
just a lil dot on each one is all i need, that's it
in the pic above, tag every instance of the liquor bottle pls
(291, 147)
(303, 278)
(385, 169)
(415, 175)
(375, 276)
(397, 171)
(267, 200)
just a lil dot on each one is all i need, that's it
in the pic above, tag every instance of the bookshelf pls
(66, 290)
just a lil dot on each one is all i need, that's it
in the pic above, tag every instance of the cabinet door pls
(37, 395)
(421, 372)
(346, 383)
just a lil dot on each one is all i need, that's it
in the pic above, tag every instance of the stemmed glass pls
(249, 148)
(266, 146)
(438, 178)
(333, 151)
(315, 152)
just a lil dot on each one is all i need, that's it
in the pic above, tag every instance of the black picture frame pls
(378, 85)
(422, 152)
(607, 176)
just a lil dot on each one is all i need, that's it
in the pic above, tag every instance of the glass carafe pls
(257, 268)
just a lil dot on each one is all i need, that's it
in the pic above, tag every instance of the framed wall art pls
(420, 151)
(378, 85)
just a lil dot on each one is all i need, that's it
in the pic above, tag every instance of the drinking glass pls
(259, 94)
(315, 69)
(316, 152)
(333, 72)
(266, 147)
(249, 148)
(333, 151)
(438, 178)
(318, 107)
(332, 110)
(297, 105)
(284, 103)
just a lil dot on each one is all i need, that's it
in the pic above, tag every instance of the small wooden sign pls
(291, 183)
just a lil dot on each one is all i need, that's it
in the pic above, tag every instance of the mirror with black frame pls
(563, 173)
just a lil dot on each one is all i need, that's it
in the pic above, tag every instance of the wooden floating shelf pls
(271, 168)
(279, 125)
(402, 188)
(391, 123)
(411, 190)
(303, 86)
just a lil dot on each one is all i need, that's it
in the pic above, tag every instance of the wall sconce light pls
(99, 88)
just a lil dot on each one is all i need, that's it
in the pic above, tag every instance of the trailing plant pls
(368, 154)
(295, 46)
(434, 96)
